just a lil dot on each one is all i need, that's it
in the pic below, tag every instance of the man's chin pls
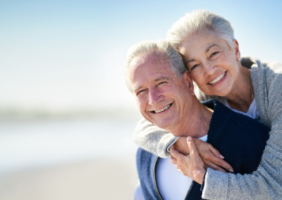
(164, 125)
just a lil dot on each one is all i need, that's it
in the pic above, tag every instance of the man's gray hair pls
(198, 21)
(148, 47)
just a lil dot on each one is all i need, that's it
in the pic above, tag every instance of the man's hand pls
(190, 165)
(210, 156)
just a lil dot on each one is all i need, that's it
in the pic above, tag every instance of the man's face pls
(162, 98)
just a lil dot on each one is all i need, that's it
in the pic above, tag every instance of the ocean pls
(34, 143)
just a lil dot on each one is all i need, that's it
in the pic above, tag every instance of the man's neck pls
(196, 124)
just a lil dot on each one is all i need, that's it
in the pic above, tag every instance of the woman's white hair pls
(198, 21)
(148, 47)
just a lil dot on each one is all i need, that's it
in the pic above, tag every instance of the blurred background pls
(66, 117)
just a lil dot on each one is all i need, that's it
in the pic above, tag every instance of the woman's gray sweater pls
(266, 182)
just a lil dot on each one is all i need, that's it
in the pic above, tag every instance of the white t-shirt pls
(252, 111)
(171, 183)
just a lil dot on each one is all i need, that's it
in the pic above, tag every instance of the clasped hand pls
(193, 157)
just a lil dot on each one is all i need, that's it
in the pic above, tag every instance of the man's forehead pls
(151, 64)
(149, 69)
(147, 64)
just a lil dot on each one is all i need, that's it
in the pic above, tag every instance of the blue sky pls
(69, 54)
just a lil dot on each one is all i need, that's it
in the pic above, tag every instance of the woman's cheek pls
(197, 78)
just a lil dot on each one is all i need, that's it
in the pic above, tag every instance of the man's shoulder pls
(144, 156)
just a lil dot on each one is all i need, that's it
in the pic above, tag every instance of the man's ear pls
(236, 49)
(188, 79)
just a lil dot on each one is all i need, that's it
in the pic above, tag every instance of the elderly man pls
(164, 93)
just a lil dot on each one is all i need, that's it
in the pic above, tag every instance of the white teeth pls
(158, 111)
(217, 79)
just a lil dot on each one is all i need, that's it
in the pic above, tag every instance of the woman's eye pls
(213, 54)
(194, 66)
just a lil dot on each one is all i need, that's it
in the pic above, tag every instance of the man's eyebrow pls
(162, 78)
(156, 80)
(209, 47)
(134, 90)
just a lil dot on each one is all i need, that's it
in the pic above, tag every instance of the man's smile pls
(163, 109)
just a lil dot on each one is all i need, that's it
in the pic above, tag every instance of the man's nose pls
(154, 96)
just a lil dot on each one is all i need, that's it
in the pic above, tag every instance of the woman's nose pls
(210, 68)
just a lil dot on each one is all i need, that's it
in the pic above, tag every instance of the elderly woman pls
(211, 54)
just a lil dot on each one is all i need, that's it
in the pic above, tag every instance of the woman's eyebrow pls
(209, 47)
(191, 60)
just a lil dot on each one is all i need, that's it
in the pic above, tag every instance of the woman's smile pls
(219, 78)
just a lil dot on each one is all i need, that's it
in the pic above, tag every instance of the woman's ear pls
(236, 48)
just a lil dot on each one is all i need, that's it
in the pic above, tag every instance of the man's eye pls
(140, 92)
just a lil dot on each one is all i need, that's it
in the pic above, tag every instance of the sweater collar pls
(220, 115)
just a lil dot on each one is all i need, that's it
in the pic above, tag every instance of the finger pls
(215, 167)
(173, 160)
(215, 152)
(171, 147)
(180, 171)
(221, 163)
(175, 154)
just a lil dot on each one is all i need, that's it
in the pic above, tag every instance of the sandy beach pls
(92, 179)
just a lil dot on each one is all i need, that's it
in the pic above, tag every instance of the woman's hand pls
(189, 165)
(210, 156)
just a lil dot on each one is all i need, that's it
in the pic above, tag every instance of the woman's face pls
(212, 63)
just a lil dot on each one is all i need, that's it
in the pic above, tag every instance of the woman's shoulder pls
(265, 66)
(272, 66)
(267, 83)
(269, 72)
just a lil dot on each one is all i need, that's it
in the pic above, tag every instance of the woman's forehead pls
(201, 42)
